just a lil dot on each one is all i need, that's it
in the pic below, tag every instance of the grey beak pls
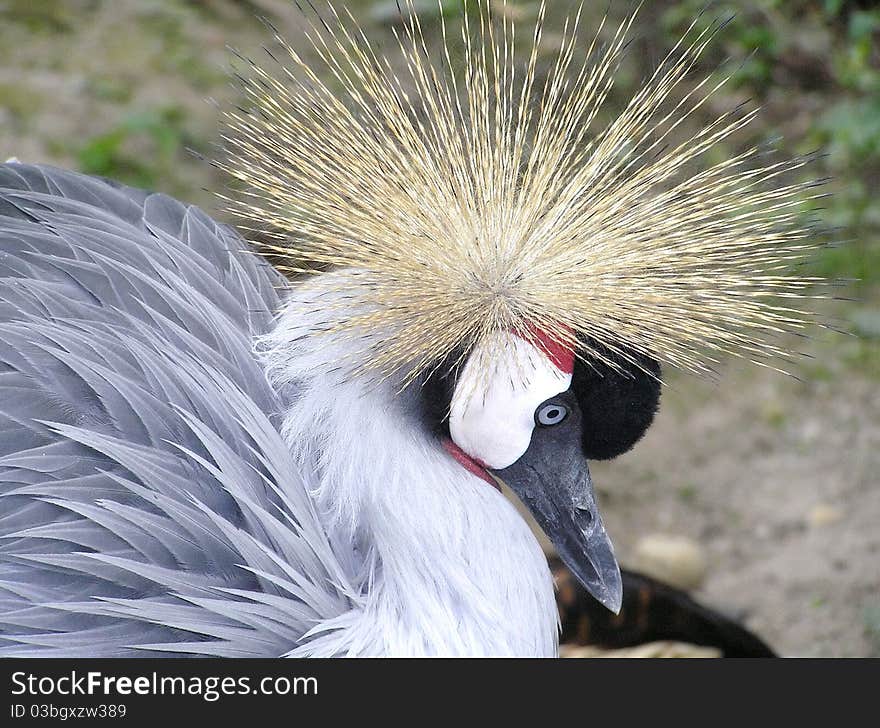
(556, 487)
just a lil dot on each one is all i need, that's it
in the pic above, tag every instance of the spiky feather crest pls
(475, 196)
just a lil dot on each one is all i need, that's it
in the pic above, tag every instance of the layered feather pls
(148, 504)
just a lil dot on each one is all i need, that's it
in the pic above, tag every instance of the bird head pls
(526, 410)
(494, 222)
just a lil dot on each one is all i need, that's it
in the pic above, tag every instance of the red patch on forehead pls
(561, 355)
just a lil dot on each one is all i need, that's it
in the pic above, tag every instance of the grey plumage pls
(147, 501)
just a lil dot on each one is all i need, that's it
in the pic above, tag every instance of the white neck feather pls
(445, 564)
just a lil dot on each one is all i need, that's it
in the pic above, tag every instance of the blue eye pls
(551, 414)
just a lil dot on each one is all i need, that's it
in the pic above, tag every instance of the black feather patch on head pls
(436, 389)
(618, 407)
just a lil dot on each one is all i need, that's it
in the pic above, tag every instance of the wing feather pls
(148, 504)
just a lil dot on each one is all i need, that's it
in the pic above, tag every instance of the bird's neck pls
(446, 566)
(443, 562)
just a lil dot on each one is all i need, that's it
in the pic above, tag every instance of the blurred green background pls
(772, 480)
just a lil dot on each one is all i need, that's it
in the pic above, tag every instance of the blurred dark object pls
(651, 612)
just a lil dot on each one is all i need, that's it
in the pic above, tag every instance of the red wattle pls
(470, 464)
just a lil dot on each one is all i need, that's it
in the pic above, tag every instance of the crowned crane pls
(200, 455)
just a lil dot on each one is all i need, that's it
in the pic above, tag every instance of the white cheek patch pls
(492, 414)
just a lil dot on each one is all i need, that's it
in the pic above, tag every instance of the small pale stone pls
(675, 650)
(675, 560)
(823, 514)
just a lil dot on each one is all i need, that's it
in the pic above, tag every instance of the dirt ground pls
(772, 483)
(777, 481)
